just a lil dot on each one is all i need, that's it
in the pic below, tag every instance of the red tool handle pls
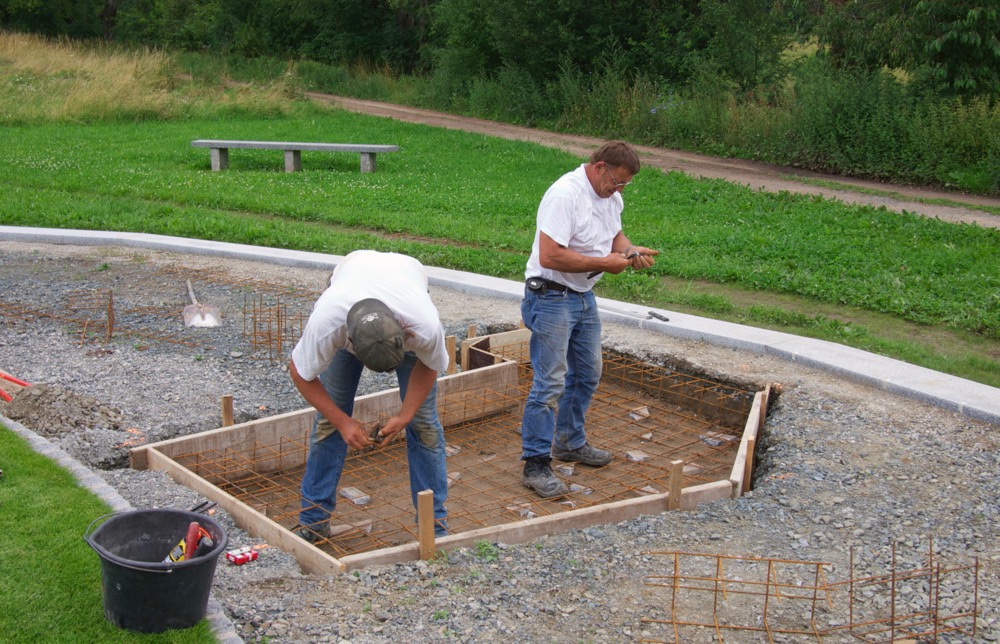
(16, 381)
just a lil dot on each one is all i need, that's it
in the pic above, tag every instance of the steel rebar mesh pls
(647, 415)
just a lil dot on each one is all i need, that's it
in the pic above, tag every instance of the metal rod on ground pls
(227, 410)
(425, 524)
(641, 316)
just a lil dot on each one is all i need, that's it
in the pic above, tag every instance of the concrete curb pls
(962, 396)
(224, 629)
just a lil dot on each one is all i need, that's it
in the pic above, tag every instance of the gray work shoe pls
(539, 477)
(314, 533)
(587, 454)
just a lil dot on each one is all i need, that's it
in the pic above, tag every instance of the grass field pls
(914, 288)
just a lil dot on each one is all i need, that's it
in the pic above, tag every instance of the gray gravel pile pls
(841, 468)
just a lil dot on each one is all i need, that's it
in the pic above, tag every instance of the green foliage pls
(512, 96)
(962, 49)
(745, 41)
(73, 18)
(319, 77)
(952, 45)
(867, 124)
(487, 551)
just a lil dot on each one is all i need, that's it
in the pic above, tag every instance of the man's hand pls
(616, 263)
(354, 434)
(391, 429)
(641, 257)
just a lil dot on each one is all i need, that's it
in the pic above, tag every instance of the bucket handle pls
(89, 531)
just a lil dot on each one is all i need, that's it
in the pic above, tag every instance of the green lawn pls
(911, 287)
(50, 579)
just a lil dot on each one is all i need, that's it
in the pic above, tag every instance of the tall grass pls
(43, 81)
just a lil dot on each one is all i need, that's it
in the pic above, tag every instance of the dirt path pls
(758, 176)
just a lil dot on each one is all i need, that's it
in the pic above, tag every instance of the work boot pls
(539, 477)
(315, 533)
(586, 454)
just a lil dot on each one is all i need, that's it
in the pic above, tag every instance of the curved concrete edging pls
(222, 627)
(962, 396)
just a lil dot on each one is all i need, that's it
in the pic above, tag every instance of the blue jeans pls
(325, 463)
(566, 358)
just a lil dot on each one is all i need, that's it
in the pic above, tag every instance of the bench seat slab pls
(293, 151)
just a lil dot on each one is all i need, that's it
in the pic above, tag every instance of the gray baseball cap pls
(376, 335)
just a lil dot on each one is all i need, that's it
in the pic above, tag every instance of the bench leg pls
(367, 162)
(293, 160)
(220, 159)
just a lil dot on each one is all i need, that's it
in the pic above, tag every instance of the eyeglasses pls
(618, 184)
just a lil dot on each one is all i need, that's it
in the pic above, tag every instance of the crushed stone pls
(842, 469)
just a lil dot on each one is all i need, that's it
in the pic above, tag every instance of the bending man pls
(378, 314)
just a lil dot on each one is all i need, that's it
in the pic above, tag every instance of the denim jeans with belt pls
(566, 358)
(325, 463)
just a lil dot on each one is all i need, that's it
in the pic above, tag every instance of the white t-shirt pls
(576, 217)
(397, 280)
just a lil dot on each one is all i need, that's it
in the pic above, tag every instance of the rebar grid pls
(746, 595)
(269, 327)
(639, 412)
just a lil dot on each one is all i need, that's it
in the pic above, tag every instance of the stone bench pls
(293, 151)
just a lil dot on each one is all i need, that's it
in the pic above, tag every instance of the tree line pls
(948, 47)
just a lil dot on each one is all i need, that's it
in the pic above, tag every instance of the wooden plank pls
(267, 431)
(310, 558)
(676, 485)
(449, 342)
(425, 524)
(296, 425)
(529, 529)
(740, 462)
(464, 347)
(227, 410)
(748, 470)
(765, 395)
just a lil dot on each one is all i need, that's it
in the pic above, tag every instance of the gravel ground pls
(840, 465)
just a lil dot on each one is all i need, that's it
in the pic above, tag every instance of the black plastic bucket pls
(141, 593)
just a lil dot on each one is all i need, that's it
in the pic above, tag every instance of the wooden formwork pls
(490, 389)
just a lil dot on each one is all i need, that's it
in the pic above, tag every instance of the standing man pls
(578, 237)
(378, 314)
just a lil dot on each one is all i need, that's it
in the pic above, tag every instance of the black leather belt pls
(540, 285)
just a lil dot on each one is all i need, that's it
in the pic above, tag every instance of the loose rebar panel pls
(742, 590)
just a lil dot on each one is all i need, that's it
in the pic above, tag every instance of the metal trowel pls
(201, 315)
